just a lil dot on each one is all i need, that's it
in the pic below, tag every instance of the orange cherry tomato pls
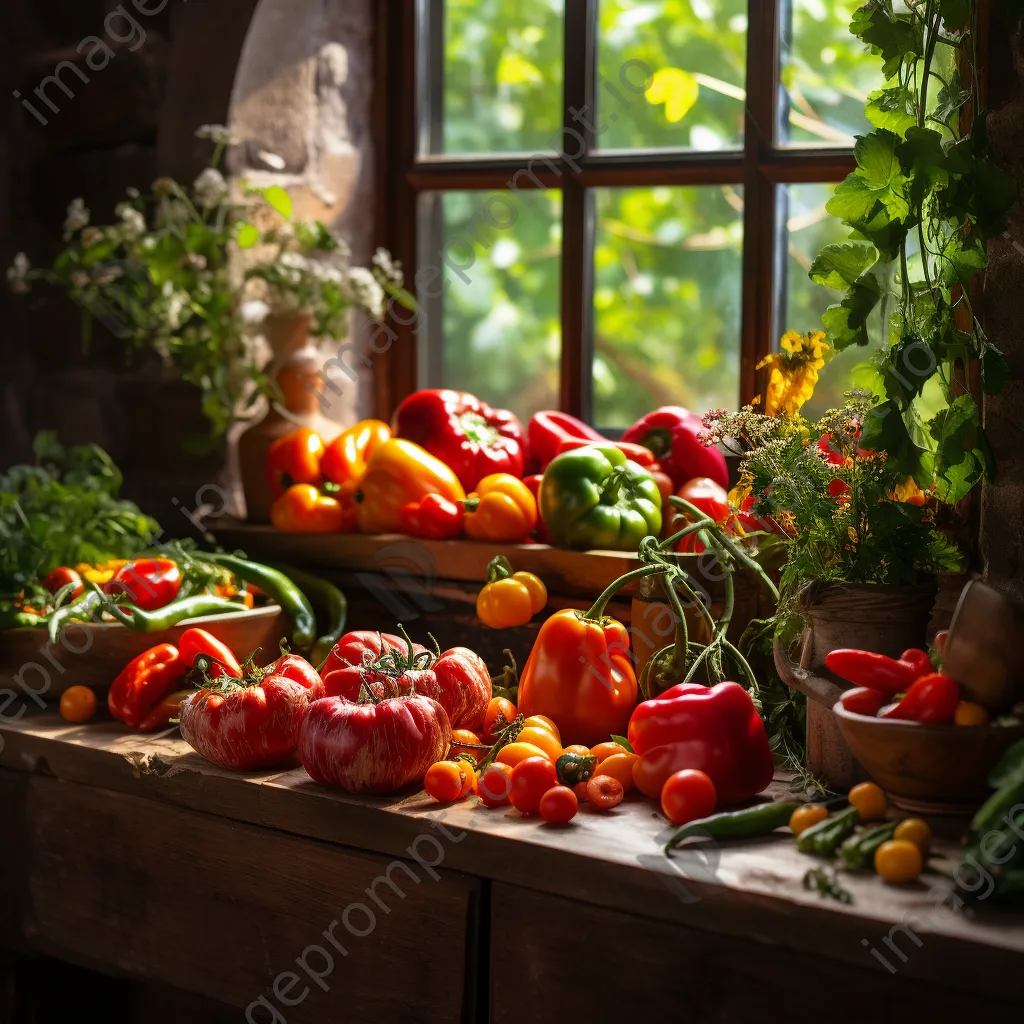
(445, 781)
(464, 736)
(500, 711)
(806, 816)
(512, 753)
(559, 805)
(294, 459)
(539, 737)
(688, 795)
(604, 792)
(620, 768)
(77, 704)
(303, 509)
(577, 748)
(530, 780)
(607, 749)
(542, 722)
(580, 789)
(493, 784)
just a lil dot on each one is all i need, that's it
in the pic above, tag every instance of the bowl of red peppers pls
(913, 732)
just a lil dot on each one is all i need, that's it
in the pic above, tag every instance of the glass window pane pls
(671, 74)
(488, 285)
(826, 73)
(493, 76)
(807, 229)
(667, 296)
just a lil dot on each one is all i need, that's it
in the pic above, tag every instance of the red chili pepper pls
(434, 517)
(866, 668)
(549, 429)
(169, 707)
(637, 452)
(144, 682)
(149, 583)
(931, 700)
(221, 659)
(921, 661)
(862, 700)
(540, 531)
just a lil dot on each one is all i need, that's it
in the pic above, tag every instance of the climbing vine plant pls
(921, 204)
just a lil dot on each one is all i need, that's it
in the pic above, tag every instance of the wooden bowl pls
(931, 769)
(93, 653)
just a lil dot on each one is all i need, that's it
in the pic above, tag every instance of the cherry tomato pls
(512, 753)
(969, 713)
(61, 577)
(77, 704)
(709, 497)
(446, 781)
(559, 805)
(916, 831)
(294, 459)
(604, 792)
(494, 784)
(542, 722)
(577, 748)
(688, 795)
(500, 711)
(530, 780)
(606, 749)
(550, 744)
(869, 800)
(620, 768)
(580, 789)
(898, 861)
(464, 736)
(806, 816)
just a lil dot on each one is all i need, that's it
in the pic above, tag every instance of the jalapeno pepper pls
(170, 615)
(751, 821)
(825, 837)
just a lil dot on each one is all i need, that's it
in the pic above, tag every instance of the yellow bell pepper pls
(502, 509)
(509, 599)
(400, 472)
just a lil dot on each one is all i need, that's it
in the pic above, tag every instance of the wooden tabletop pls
(614, 860)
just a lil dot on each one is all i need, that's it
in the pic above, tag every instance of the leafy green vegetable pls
(62, 511)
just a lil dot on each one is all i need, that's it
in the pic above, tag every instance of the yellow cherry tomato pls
(509, 599)
(512, 753)
(542, 722)
(898, 861)
(540, 737)
(869, 800)
(916, 831)
(77, 704)
(806, 816)
(969, 713)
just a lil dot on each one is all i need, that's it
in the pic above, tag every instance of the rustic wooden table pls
(294, 903)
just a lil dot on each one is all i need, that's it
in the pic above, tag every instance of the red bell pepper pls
(716, 730)
(879, 672)
(466, 434)
(144, 682)
(149, 583)
(931, 700)
(862, 700)
(549, 429)
(434, 517)
(672, 434)
(540, 531)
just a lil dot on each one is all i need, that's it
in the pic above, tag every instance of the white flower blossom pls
(17, 274)
(210, 188)
(366, 290)
(216, 133)
(133, 223)
(77, 218)
(254, 311)
(388, 266)
(91, 237)
(174, 306)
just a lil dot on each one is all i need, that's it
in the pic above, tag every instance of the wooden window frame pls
(758, 167)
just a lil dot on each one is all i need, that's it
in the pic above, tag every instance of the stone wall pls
(296, 85)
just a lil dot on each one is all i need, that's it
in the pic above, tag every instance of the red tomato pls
(687, 796)
(149, 583)
(61, 577)
(604, 792)
(246, 727)
(500, 711)
(710, 498)
(494, 784)
(373, 747)
(222, 661)
(296, 668)
(559, 805)
(529, 781)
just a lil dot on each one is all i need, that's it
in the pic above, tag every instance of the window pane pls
(826, 73)
(500, 87)
(692, 54)
(668, 281)
(808, 229)
(496, 328)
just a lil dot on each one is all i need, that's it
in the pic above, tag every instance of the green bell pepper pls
(595, 497)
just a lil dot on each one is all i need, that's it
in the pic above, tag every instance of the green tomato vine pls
(922, 203)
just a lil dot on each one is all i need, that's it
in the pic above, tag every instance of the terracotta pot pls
(868, 616)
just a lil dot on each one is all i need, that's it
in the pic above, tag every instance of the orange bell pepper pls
(345, 458)
(502, 508)
(303, 509)
(294, 459)
(400, 472)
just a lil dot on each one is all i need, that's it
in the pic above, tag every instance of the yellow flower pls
(909, 492)
(794, 372)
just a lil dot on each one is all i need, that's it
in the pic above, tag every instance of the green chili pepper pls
(825, 837)
(12, 619)
(177, 611)
(859, 849)
(328, 601)
(277, 586)
(751, 821)
(83, 609)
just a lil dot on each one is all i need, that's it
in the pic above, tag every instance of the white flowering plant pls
(167, 276)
